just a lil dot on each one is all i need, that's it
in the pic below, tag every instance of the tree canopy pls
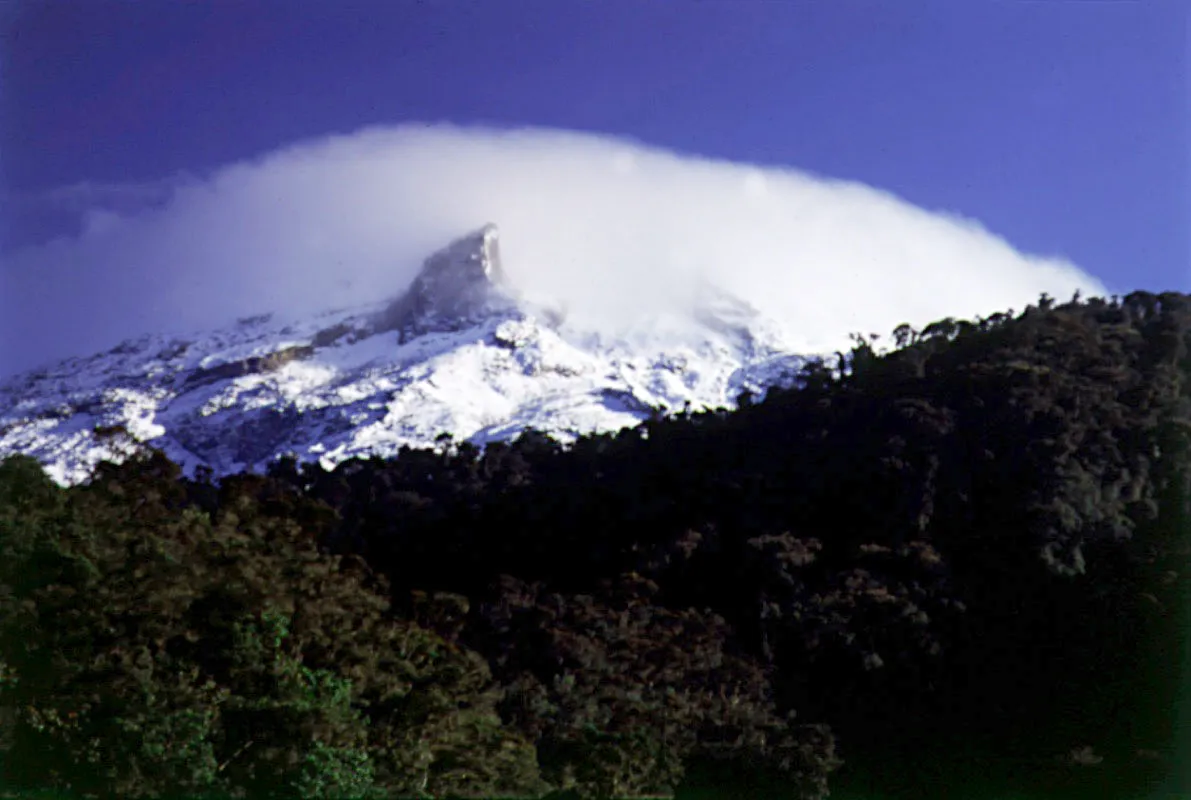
(970, 550)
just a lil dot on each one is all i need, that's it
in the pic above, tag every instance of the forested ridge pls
(964, 560)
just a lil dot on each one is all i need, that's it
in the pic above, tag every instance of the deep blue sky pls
(1063, 126)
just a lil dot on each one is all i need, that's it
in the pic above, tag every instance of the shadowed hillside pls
(958, 566)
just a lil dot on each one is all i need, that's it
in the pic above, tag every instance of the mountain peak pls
(463, 280)
(471, 258)
(330, 388)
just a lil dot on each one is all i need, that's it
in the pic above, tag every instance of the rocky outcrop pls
(247, 366)
(456, 285)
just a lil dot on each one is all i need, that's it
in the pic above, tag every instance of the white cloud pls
(610, 227)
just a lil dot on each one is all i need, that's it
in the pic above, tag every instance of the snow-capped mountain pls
(459, 352)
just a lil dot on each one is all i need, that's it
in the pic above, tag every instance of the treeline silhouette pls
(960, 564)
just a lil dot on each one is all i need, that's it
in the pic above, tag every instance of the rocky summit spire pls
(458, 283)
(466, 263)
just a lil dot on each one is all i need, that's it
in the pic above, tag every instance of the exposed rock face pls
(457, 285)
(248, 366)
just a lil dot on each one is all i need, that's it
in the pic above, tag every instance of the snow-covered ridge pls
(459, 352)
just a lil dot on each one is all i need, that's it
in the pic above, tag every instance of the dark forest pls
(955, 566)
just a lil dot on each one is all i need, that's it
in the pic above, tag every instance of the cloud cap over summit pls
(610, 228)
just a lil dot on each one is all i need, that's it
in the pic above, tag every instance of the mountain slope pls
(459, 352)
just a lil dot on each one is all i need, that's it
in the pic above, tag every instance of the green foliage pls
(329, 773)
(972, 549)
(294, 728)
(220, 655)
(619, 692)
